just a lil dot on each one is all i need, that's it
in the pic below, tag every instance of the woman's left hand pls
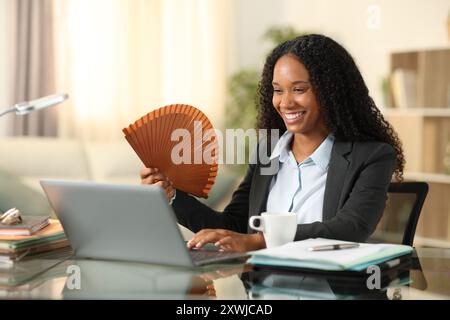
(228, 240)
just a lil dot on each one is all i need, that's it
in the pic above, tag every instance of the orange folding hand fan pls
(178, 140)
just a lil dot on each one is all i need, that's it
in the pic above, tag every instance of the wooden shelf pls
(420, 84)
(404, 50)
(428, 177)
(417, 112)
(430, 242)
(420, 78)
(425, 135)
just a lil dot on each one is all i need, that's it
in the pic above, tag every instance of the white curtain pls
(7, 34)
(119, 59)
(27, 63)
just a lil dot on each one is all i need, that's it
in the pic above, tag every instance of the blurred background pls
(120, 59)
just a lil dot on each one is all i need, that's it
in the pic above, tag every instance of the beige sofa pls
(34, 158)
(27, 160)
(24, 161)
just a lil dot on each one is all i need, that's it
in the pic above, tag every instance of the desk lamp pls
(13, 216)
(24, 108)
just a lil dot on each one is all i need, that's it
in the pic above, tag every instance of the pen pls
(334, 247)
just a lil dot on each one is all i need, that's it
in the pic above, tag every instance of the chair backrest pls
(399, 221)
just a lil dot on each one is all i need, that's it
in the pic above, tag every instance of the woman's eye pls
(277, 91)
(300, 90)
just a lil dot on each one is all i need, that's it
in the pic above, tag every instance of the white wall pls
(404, 25)
(252, 18)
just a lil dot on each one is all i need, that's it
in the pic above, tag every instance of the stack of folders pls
(28, 226)
(15, 247)
(357, 257)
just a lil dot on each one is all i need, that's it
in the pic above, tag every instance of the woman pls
(336, 156)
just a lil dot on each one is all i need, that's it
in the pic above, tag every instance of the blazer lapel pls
(260, 189)
(335, 179)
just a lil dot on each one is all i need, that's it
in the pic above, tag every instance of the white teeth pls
(292, 116)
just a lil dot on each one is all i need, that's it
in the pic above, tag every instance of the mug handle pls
(251, 223)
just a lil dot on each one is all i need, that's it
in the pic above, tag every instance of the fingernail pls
(198, 245)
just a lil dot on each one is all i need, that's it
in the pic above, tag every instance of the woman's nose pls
(286, 100)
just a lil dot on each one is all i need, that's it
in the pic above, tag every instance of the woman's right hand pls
(152, 176)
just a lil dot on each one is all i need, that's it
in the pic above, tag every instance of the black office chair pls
(399, 221)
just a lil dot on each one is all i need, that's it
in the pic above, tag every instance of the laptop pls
(124, 222)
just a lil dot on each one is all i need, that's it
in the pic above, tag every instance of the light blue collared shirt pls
(300, 187)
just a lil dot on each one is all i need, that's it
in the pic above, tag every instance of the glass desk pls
(58, 276)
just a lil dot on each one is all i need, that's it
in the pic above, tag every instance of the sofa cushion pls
(113, 162)
(43, 157)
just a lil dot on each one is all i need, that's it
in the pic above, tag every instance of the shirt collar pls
(282, 147)
(321, 156)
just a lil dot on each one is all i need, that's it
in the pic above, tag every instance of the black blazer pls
(355, 196)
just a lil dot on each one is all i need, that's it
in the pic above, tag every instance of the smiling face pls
(294, 97)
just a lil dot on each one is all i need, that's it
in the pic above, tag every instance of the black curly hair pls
(350, 113)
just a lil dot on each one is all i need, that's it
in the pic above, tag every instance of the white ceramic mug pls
(278, 228)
